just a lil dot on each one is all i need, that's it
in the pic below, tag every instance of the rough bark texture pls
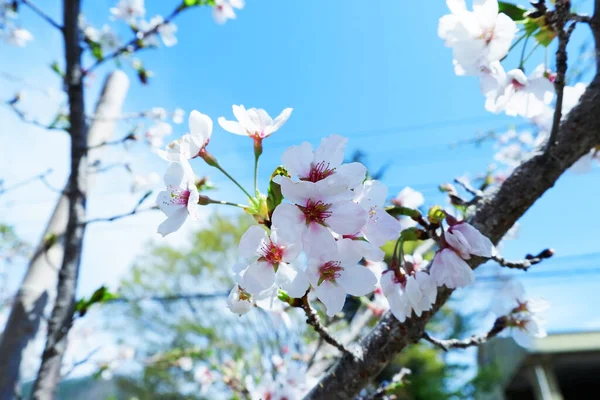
(494, 216)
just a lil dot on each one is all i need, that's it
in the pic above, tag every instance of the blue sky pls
(375, 72)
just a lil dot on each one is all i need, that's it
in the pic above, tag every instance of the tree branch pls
(312, 318)
(137, 42)
(494, 215)
(561, 17)
(40, 177)
(12, 105)
(42, 14)
(526, 263)
(499, 326)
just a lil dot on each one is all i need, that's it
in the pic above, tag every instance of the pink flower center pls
(316, 212)
(517, 85)
(318, 172)
(180, 196)
(330, 271)
(271, 253)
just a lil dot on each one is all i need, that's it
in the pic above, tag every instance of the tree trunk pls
(40, 281)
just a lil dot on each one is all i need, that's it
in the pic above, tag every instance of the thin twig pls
(526, 263)
(465, 185)
(80, 362)
(42, 14)
(120, 216)
(28, 120)
(586, 19)
(27, 181)
(312, 318)
(137, 42)
(124, 139)
(560, 20)
(169, 298)
(474, 340)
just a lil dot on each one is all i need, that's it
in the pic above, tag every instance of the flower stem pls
(255, 174)
(233, 180)
(227, 203)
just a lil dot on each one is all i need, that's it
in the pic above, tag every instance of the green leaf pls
(56, 68)
(274, 196)
(96, 50)
(101, 295)
(189, 3)
(545, 36)
(411, 234)
(513, 11)
(409, 212)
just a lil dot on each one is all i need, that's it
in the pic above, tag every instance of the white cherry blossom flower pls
(178, 115)
(129, 10)
(254, 122)
(409, 197)
(190, 144)
(448, 268)
(524, 96)
(381, 227)
(223, 10)
(465, 239)
(324, 163)
(317, 208)
(180, 200)
(269, 256)
(157, 132)
(239, 301)
(476, 37)
(17, 37)
(336, 273)
(523, 313)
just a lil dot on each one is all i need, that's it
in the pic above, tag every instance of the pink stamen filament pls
(271, 253)
(517, 85)
(316, 212)
(180, 196)
(330, 271)
(318, 172)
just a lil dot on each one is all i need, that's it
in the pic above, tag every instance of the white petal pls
(297, 192)
(346, 217)
(251, 242)
(242, 116)
(333, 296)
(317, 240)
(289, 222)
(357, 280)
(381, 227)
(200, 128)
(353, 174)
(292, 280)
(447, 268)
(504, 33)
(371, 194)
(279, 121)
(331, 151)
(479, 245)
(173, 222)
(297, 159)
(175, 175)
(258, 277)
(232, 126)
(486, 11)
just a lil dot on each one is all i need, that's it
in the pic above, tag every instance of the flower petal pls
(173, 222)
(357, 280)
(201, 127)
(346, 217)
(251, 242)
(332, 295)
(259, 276)
(232, 126)
(297, 159)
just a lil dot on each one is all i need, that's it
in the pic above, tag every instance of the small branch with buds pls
(124, 139)
(41, 177)
(312, 318)
(12, 105)
(527, 262)
(499, 325)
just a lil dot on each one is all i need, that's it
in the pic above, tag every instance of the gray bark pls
(495, 215)
(39, 284)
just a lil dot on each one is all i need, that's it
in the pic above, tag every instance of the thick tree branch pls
(494, 216)
(499, 326)
(62, 313)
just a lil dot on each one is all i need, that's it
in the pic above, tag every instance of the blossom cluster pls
(10, 31)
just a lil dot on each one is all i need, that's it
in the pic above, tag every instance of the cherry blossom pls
(157, 132)
(317, 208)
(448, 268)
(129, 10)
(268, 255)
(180, 199)
(223, 10)
(324, 164)
(476, 37)
(409, 289)
(105, 37)
(409, 197)
(166, 31)
(17, 36)
(205, 377)
(190, 144)
(178, 115)
(523, 313)
(467, 241)
(521, 95)
(239, 301)
(254, 122)
(381, 227)
(335, 273)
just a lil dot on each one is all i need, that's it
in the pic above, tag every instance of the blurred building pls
(562, 366)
